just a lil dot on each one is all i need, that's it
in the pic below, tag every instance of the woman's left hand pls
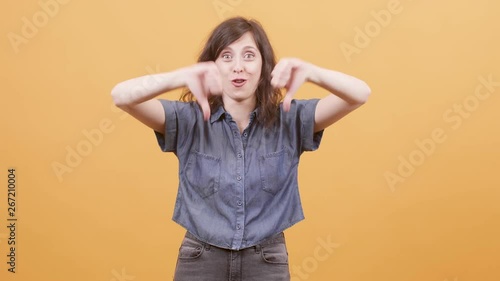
(290, 73)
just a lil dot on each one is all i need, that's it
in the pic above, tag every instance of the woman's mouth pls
(238, 82)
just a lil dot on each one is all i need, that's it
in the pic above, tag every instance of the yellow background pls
(109, 218)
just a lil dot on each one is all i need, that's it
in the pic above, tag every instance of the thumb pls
(205, 108)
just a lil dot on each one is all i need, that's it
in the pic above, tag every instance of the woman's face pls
(240, 65)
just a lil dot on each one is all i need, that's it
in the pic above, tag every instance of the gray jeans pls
(200, 261)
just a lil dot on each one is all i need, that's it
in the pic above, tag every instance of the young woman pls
(238, 146)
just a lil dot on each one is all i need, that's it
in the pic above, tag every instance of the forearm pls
(348, 88)
(140, 89)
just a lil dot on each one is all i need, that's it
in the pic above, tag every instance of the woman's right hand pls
(136, 96)
(203, 79)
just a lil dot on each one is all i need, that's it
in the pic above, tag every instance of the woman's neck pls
(240, 111)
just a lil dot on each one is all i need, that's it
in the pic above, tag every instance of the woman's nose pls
(238, 66)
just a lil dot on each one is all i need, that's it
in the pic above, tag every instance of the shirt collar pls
(221, 112)
(217, 114)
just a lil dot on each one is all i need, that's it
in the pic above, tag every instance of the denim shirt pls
(236, 189)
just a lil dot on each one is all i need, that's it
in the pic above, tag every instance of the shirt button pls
(238, 178)
(238, 226)
(239, 155)
(245, 134)
(239, 202)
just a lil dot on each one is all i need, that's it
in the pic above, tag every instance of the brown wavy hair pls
(230, 30)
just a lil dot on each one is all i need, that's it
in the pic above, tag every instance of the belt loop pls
(258, 249)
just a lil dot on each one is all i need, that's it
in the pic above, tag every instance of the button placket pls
(240, 183)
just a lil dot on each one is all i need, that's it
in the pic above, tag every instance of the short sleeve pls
(177, 115)
(306, 109)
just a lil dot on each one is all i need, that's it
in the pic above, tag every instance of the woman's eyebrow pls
(228, 48)
(250, 47)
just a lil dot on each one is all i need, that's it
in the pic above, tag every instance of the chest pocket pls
(203, 173)
(274, 169)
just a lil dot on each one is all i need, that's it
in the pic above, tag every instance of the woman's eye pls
(249, 56)
(226, 56)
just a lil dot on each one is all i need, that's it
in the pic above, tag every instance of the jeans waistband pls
(277, 238)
